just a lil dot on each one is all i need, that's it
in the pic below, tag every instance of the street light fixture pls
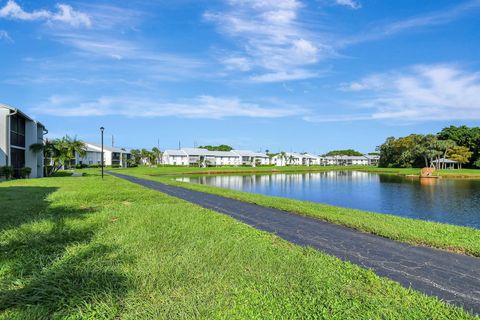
(102, 129)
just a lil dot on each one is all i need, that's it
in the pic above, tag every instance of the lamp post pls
(101, 130)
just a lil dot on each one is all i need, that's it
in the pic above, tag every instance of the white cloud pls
(282, 76)
(65, 14)
(422, 93)
(237, 63)
(5, 36)
(271, 38)
(206, 107)
(349, 3)
(426, 20)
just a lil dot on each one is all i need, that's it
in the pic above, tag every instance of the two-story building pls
(17, 133)
(112, 156)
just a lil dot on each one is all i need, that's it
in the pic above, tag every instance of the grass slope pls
(82, 248)
(439, 235)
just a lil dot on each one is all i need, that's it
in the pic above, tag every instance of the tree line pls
(460, 144)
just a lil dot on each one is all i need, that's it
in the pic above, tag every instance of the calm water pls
(452, 201)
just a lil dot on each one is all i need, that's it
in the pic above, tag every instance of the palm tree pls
(283, 155)
(146, 155)
(137, 156)
(158, 155)
(59, 153)
(290, 159)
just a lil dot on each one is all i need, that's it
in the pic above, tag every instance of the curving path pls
(452, 277)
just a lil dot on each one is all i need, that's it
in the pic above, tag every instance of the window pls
(17, 157)
(17, 131)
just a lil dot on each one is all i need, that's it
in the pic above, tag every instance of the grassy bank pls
(463, 173)
(438, 235)
(83, 248)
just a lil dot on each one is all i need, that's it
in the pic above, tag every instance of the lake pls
(454, 201)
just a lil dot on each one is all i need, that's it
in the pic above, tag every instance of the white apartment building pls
(112, 156)
(368, 160)
(252, 158)
(294, 159)
(17, 133)
(204, 157)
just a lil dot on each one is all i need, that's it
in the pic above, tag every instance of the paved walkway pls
(451, 277)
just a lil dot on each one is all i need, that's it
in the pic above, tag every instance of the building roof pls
(309, 156)
(96, 147)
(176, 152)
(2, 105)
(248, 153)
(443, 160)
(205, 152)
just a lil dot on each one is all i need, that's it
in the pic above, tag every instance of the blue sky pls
(291, 75)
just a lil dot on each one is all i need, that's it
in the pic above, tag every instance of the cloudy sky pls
(259, 74)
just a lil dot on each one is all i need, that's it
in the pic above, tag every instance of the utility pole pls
(101, 130)
(113, 141)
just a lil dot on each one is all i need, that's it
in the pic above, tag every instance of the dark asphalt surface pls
(454, 278)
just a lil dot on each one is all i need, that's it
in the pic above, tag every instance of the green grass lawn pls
(473, 173)
(443, 236)
(82, 248)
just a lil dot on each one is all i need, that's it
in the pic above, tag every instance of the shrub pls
(477, 163)
(116, 166)
(7, 172)
(25, 172)
(133, 165)
(81, 166)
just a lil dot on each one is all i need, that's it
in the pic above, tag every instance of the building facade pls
(17, 133)
(112, 156)
(204, 157)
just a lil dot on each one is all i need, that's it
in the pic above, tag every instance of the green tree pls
(136, 156)
(222, 147)
(347, 152)
(460, 154)
(60, 153)
(464, 136)
(157, 155)
(444, 146)
(401, 152)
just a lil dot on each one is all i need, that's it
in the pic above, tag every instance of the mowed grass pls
(161, 170)
(439, 235)
(83, 248)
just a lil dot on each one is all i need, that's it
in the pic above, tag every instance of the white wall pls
(3, 136)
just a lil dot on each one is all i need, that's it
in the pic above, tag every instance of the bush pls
(95, 166)
(116, 166)
(477, 163)
(81, 166)
(25, 172)
(7, 172)
(133, 165)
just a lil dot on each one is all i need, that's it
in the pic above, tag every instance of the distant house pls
(112, 156)
(287, 159)
(373, 160)
(17, 133)
(204, 157)
(310, 160)
(175, 158)
(248, 157)
(368, 160)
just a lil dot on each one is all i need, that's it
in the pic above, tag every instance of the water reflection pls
(444, 200)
